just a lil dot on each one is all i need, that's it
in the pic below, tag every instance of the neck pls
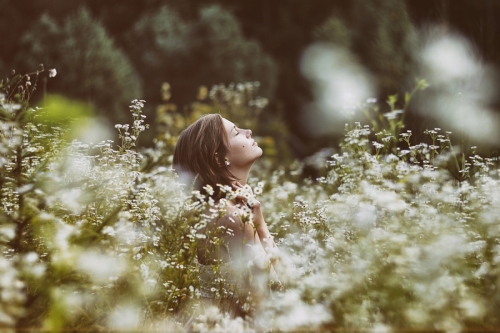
(241, 174)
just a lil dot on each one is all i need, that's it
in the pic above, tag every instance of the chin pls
(257, 155)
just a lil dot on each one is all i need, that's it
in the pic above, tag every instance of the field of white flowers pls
(102, 236)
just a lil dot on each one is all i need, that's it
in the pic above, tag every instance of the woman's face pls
(242, 150)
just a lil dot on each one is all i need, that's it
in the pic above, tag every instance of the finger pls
(241, 201)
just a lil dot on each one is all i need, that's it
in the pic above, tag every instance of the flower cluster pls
(389, 236)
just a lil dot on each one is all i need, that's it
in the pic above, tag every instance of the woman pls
(218, 156)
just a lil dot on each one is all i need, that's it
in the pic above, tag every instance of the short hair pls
(200, 152)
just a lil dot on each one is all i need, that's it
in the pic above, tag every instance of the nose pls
(249, 133)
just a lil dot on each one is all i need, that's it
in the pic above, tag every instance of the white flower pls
(252, 202)
(100, 266)
(209, 189)
(11, 107)
(108, 230)
(125, 317)
(8, 231)
(31, 257)
(52, 72)
(393, 114)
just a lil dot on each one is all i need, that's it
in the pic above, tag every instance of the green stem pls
(109, 218)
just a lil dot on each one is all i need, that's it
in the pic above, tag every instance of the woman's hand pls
(244, 195)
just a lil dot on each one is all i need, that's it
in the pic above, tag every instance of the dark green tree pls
(210, 49)
(158, 45)
(91, 67)
(232, 56)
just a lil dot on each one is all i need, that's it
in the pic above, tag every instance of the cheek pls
(238, 147)
(241, 149)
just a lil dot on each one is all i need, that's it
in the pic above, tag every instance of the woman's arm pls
(262, 229)
(244, 241)
(268, 240)
(258, 218)
(265, 237)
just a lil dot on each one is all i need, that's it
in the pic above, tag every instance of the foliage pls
(282, 29)
(240, 103)
(162, 42)
(392, 240)
(100, 237)
(381, 34)
(75, 216)
(232, 55)
(94, 69)
(159, 44)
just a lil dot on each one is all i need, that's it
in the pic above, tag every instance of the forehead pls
(227, 125)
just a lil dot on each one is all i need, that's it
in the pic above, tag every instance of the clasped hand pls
(245, 196)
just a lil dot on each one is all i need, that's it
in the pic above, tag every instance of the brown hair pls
(200, 152)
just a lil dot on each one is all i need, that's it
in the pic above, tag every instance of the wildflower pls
(52, 72)
(108, 230)
(8, 231)
(387, 139)
(209, 190)
(252, 202)
(393, 114)
(99, 266)
(124, 317)
(12, 107)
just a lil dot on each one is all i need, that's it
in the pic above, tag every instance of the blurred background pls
(170, 53)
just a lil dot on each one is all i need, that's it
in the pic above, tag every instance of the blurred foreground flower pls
(462, 88)
(339, 83)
